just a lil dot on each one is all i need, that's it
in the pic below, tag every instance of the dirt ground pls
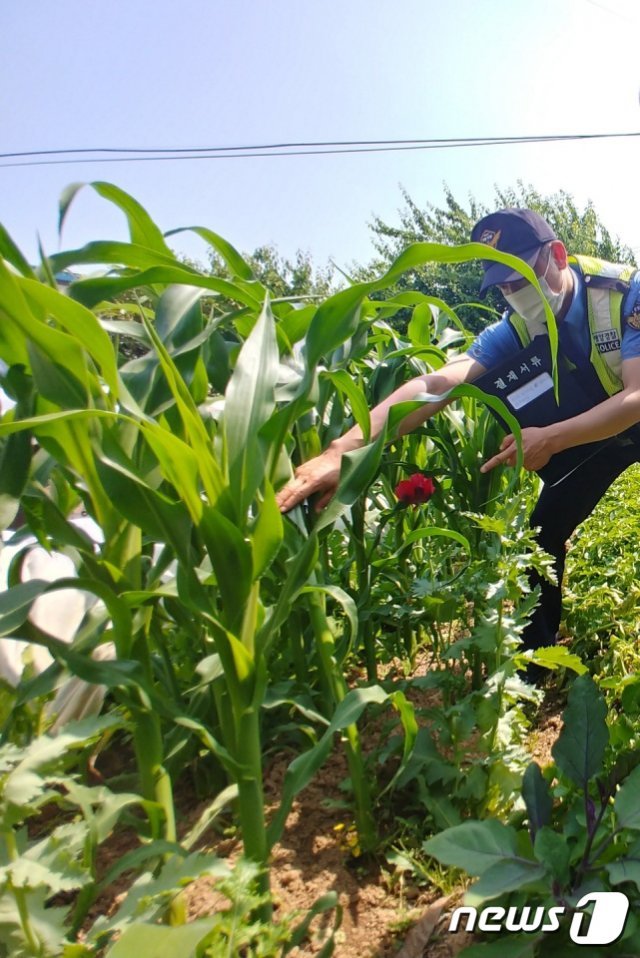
(382, 916)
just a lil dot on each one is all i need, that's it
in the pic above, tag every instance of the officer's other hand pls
(536, 448)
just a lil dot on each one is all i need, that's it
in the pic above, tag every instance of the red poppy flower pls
(414, 490)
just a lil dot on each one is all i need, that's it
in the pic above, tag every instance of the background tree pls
(284, 277)
(580, 231)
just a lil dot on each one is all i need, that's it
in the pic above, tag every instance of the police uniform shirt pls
(498, 342)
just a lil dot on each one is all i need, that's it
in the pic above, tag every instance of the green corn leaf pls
(54, 382)
(79, 322)
(296, 323)
(407, 715)
(142, 230)
(335, 320)
(10, 252)
(157, 515)
(303, 768)
(15, 604)
(249, 402)
(298, 569)
(207, 466)
(358, 469)
(345, 384)
(111, 252)
(230, 255)
(579, 751)
(93, 291)
(232, 562)
(349, 607)
(267, 532)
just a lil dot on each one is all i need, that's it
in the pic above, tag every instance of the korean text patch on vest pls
(607, 340)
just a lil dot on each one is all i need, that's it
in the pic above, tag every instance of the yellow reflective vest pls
(605, 285)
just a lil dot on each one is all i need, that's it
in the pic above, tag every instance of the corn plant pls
(180, 476)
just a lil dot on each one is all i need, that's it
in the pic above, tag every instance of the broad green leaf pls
(160, 941)
(128, 255)
(20, 326)
(626, 868)
(420, 328)
(626, 804)
(474, 846)
(559, 657)
(554, 852)
(179, 464)
(296, 323)
(537, 797)
(504, 877)
(337, 317)
(157, 515)
(55, 382)
(579, 751)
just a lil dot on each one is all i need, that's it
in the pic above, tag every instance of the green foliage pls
(579, 832)
(235, 628)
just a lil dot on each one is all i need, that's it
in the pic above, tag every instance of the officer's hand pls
(317, 476)
(536, 447)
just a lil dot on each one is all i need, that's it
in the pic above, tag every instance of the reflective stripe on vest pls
(604, 311)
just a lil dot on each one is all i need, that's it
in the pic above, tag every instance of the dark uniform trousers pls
(559, 510)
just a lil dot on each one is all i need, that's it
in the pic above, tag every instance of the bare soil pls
(383, 915)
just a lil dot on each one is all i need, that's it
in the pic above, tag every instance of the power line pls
(316, 148)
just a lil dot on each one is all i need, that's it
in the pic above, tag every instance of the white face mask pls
(526, 301)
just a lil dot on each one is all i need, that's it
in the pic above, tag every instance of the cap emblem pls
(491, 238)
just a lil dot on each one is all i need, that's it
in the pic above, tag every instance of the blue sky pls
(195, 73)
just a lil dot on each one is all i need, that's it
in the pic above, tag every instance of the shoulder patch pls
(633, 319)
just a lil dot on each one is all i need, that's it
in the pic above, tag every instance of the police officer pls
(597, 309)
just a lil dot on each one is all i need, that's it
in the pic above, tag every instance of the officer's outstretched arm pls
(320, 476)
